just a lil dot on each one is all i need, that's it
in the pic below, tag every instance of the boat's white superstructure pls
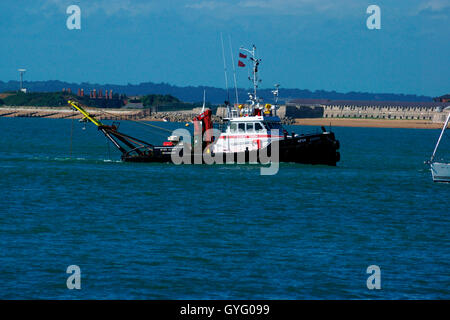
(248, 133)
(251, 126)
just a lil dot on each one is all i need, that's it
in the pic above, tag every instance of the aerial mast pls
(234, 71)
(225, 68)
(275, 97)
(254, 79)
(227, 103)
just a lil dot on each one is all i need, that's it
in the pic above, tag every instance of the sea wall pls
(101, 114)
(68, 113)
(221, 112)
(355, 111)
(434, 114)
(394, 112)
(293, 111)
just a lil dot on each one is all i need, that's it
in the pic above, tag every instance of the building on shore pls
(99, 99)
(396, 110)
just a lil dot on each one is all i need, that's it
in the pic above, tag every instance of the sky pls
(305, 44)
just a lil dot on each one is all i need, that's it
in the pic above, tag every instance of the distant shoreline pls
(67, 113)
(183, 116)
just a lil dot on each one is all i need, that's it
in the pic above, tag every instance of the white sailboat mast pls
(440, 137)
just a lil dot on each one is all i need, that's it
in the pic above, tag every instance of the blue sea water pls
(161, 231)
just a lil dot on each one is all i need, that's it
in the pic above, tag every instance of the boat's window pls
(224, 127)
(241, 127)
(250, 127)
(233, 127)
(259, 126)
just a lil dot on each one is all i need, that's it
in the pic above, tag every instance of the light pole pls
(21, 71)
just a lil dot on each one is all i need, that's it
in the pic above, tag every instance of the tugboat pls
(254, 127)
(249, 134)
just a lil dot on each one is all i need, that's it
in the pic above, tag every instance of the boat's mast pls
(275, 93)
(255, 78)
(255, 83)
(255, 72)
(440, 137)
(227, 103)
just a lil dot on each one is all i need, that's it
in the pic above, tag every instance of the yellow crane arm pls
(85, 114)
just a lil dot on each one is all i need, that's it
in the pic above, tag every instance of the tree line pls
(157, 102)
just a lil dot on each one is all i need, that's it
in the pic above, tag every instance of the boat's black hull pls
(308, 149)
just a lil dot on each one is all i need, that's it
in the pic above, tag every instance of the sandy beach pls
(369, 123)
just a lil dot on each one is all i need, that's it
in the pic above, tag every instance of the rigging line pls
(114, 116)
(151, 125)
(234, 71)
(225, 67)
(151, 130)
(128, 138)
(136, 121)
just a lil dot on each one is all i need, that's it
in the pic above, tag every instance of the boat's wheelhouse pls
(248, 133)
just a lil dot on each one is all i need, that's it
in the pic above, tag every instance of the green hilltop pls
(157, 102)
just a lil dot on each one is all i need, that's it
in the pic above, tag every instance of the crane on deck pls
(132, 149)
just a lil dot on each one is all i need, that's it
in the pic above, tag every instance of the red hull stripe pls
(250, 137)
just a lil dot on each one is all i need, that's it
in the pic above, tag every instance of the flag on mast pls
(241, 55)
(241, 64)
